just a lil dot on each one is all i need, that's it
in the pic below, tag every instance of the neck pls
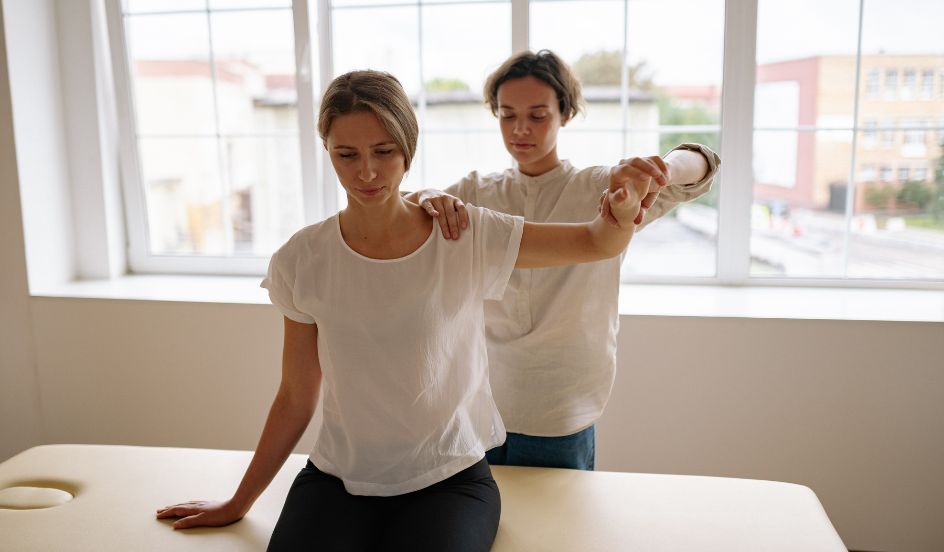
(374, 223)
(544, 165)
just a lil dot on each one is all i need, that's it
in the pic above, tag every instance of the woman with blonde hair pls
(552, 337)
(386, 317)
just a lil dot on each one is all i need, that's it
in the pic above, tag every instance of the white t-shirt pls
(401, 343)
(552, 337)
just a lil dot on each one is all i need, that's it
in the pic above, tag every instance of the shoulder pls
(306, 241)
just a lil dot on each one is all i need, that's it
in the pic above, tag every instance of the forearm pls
(685, 167)
(554, 244)
(288, 418)
(608, 240)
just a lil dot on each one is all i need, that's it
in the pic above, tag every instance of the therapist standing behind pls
(552, 337)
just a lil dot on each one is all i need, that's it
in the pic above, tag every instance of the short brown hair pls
(545, 66)
(375, 92)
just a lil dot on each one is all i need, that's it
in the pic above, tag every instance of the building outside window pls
(885, 173)
(909, 84)
(872, 84)
(927, 84)
(891, 84)
(227, 166)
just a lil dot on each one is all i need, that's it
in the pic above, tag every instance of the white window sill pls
(635, 300)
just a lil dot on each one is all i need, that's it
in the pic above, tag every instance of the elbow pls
(298, 403)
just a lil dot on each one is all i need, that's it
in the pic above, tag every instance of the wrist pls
(238, 505)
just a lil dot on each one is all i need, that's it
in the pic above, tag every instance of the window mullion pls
(851, 186)
(223, 157)
(421, 99)
(624, 80)
(312, 200)
(520, 26)
(737, 120)
(133, 190)
(329, 188)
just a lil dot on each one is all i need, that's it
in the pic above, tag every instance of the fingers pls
(650, 198)
(430, 210)
(625, 206)
(450, 213)
(654, 167)
(180, 510)
(463, 215)
(660, 162)
(605, 212)
(196, 513)
(444, 226)
(190, 521)
(452, 218)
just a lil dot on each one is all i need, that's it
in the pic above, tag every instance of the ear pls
(325, 145)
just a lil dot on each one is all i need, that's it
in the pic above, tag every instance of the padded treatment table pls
(117, 490)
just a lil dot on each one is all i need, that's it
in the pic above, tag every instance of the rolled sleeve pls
(670, 196)
(282, 293)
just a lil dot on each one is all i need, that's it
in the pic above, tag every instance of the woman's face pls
(368, 162)
(529, 118)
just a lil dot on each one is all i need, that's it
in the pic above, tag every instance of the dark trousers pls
(458, 514)
(576, 451)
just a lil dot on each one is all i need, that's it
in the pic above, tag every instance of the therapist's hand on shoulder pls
(647, 175)
(448, 210)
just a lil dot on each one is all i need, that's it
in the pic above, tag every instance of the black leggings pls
(458, 514)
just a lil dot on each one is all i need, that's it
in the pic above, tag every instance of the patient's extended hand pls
(201, 513)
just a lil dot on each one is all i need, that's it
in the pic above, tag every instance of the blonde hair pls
(375, 92)
(545, 66)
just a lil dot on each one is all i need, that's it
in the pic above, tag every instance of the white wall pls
(855, 410)
(38, 127)
(20, 421)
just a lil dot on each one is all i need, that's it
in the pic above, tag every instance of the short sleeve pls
(496, 240)
(280, 281)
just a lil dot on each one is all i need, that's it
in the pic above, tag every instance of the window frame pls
(314, 31)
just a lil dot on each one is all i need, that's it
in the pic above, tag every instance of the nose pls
(366, 171)
(521, 127)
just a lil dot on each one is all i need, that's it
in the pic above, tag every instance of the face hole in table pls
(35, 495)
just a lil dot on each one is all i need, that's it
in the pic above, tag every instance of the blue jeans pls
(575, 451)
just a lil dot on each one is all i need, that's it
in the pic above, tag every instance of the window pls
(927, 84)
(888, 135)
(914, 135)
(643, 95)
(227, 163)
(885, 173)
(869, 134)
(216, 129)
(909, 84)
(891, 83)
(904, 173)
(872, 83)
